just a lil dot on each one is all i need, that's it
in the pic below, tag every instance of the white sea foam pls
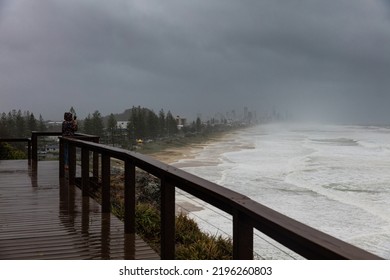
(333, 178)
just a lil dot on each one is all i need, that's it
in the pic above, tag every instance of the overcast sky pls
(311, 58)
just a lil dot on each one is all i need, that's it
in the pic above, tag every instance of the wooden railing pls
(36, 134)
(247, 214)
(32, 143)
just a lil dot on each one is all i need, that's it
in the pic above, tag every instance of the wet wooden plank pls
(40, 220)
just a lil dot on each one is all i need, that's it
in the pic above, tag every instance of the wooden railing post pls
(106, 173)
(62, 159)
(85, 171)
(34, 148)
(242, 238)
(95, 160)
(129, 196)
(72, 164)
(167, 220)
(29, 151)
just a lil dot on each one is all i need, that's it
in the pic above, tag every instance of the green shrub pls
(147, 189)
(7, 151)
(147, 221)
(187, 230)
(206, 247)
(193, 244)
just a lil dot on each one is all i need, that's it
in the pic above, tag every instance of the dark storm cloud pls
(309, 57)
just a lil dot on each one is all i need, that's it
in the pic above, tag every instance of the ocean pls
(335, 178)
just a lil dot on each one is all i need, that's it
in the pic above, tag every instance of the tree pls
(152, 125)
(32, 123)
(11, 124)
(94, 124)
(20, 124)
(87, 125)
(161, 122)
(41, 124)
(97, 124)
(136, 125)
(143, 124)
(171, 124)
(133, 124)
(3, 126)
(16, 124)
(111, 128)
(198, 125)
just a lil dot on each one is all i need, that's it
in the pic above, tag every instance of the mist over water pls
(334, 178)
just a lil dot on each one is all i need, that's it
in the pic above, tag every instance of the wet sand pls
(174, 155)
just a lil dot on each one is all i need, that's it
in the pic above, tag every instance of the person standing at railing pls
(69, 126)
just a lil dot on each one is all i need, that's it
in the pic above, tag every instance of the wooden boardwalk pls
(40, 220)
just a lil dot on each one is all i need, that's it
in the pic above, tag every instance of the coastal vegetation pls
(17, 124)
(137, 128)
(8, 151)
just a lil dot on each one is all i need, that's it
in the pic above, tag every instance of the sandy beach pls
(175, 155)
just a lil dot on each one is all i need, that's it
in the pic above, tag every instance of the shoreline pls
(174, 153)
(184, 155)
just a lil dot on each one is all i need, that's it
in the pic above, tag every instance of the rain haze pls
(319, 60)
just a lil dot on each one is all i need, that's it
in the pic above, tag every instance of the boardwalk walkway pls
(40, 220)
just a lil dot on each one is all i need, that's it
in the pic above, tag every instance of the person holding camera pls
(69, 126)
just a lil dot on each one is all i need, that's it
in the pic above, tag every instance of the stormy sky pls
(327, 60)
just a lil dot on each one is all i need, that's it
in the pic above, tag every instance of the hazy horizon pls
(316, 60)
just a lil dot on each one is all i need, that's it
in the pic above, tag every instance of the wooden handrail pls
(36, 134)
(247, 214)
(32, 143)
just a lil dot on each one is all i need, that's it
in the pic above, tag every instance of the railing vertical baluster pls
(29, 151)
(242, 238)
(72, 164)
(62, 159)
(34, 144)
(85, 171)
(106, 173)
(129, 196)
(167, 220)
(95, 161)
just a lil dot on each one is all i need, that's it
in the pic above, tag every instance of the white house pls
(122, 124)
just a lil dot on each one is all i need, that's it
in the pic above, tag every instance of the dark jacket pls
(69, 125)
